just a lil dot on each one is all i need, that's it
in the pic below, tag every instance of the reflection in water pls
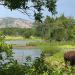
(21, 42)
(21, 54)
(17, 42)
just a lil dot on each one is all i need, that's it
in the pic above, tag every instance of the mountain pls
(9, 22)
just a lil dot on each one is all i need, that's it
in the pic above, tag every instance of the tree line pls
(26, 33)
(59, 29)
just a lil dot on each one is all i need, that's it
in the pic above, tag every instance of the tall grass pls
(54, 48)
(14, 38)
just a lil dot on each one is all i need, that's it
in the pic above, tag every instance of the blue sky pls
(63, 6)
(67, 7)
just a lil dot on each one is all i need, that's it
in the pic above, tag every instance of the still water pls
(21, 42)
(20, 54)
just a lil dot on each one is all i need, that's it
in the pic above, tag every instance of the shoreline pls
(23, 46)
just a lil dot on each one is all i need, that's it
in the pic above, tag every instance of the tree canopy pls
(56, 29)
(37, 6)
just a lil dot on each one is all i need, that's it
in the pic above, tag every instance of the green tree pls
(38, 29)
(48, 26)
(37, 6)
(59, 29)
(27, 33)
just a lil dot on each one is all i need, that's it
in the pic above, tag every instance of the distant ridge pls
(10, 22)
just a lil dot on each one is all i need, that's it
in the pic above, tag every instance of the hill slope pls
(9, 22)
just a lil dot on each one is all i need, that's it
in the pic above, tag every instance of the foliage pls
(14, 68)
(57, 29)
(14, 38)
(37, 29)
(53, 29)
(43, 65)
(6, 48)
(26, 33)
(39, 67)
(60, 36)
(1, 36)
(37, 6)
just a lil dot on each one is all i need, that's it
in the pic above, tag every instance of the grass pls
(23, 47)
(14, 38)
(46, 46)
(56, 49)
(23, 38)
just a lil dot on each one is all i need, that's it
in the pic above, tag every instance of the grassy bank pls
(56, 49)
(54, 52)
(14, 38)
(23, 47)
(22, 38)
(53, 45)
(56, 61)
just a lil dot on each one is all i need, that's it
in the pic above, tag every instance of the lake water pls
(20, 54)
(21, 42)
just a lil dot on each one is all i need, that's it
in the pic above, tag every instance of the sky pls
(66, 7)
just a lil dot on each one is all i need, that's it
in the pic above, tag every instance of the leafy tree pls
(37, 6)
(59, 29)
(48, 24)
(27, 33)
(38, 29)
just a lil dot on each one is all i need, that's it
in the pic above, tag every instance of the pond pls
(20, 54)
(21, 42)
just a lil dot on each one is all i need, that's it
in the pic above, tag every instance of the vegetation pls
(37, 6)
(18, 32)
(43, 68)
(58, 36)
(56, 29)
(53, 29)
(14, 38)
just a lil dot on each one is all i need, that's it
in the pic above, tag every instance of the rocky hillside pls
(9, 22)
